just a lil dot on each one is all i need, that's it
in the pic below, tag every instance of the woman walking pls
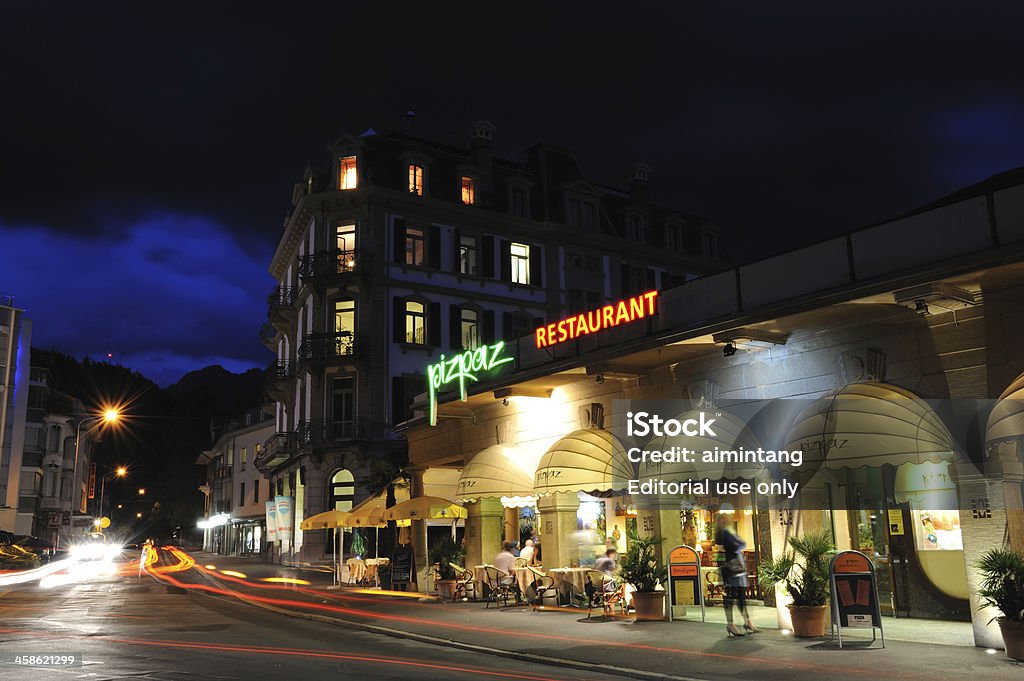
(733, 571)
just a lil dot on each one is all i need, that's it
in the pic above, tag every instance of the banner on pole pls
(271, 520)
(285, 517)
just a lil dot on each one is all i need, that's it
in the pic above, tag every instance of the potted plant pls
(1002, 588)
(443, 554)
(639, 567)
(804, 572)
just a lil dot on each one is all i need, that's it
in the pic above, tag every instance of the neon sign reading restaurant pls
(463, 367)
(606, 317)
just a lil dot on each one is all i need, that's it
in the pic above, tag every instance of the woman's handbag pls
(731, 568)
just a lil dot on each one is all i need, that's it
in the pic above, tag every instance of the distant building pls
(405, 250)
(15, 344)
(236, 491)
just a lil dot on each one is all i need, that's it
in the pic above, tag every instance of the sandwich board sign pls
(854, 594)
(684, 580)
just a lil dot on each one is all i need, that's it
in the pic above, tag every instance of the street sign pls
(92, 481)
(104, 522)
(65, 518)
(854, 594)
(53, 521)
(684, 580)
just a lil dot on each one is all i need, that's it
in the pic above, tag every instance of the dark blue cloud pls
(165, 294)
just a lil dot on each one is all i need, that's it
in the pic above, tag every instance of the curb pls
(470, 647)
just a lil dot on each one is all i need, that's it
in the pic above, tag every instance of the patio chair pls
(501, 585)
(602, 591)
(464, 582)
(543, 586)
(522, 562)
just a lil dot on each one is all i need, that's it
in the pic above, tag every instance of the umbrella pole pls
(337, 577)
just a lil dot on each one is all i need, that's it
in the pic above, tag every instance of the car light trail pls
(23, 576)
(285, 580)
(232, 573)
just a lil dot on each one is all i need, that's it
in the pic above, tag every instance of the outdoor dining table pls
(570, 580)
(524, 578)
(356, 570)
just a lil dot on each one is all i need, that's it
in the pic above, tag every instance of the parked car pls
(41, 547)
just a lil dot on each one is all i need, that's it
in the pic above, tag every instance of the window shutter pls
(456, 244)
(487, 256)
(624, 282)
(455, 327)
(398, 319)
(506, 260)
(434, 324)
(434, 247)
(651, 279)
(536, 265)
(399, 242)
(397, 399)
(487, 327)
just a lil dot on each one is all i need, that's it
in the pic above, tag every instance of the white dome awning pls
(498, 471)
(731, 433)
(870, 424)
(589, 460)
(927, 484)
(1006, 422)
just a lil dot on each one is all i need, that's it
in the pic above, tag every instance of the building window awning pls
(590, 460)
(870, 424)
(731, 433)
(495, 472)
(1006, 422)
(929, 485)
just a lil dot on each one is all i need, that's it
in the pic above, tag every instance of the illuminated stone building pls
(892, 357)
(403, 250)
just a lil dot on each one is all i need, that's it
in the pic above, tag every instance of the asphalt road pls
(128, 627)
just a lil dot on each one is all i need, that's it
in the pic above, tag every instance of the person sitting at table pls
(506, 560)
(606, 563)
(527, 552)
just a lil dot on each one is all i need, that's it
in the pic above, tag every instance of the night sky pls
(149, 153)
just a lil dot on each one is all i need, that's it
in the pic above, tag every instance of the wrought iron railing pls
(283, 371)
(277, 447)
(332, 263)
(325, 431)
(325, 346)
(281, 297)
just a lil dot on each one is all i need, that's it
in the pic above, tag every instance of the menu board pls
(684, 579)
(401, 566)
(854, 593)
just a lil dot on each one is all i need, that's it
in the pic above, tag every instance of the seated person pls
(506, 560)
(527, 552)
(606, 564)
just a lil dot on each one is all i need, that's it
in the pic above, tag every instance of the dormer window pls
(347, 172)
(468, 190)
(674, 237)
(415, 179)
(519, 202)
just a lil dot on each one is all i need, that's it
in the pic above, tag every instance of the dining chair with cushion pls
(501, 585)
(465, 584)
(522, 562)
(543, 586)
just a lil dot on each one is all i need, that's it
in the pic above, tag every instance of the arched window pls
(342, 490)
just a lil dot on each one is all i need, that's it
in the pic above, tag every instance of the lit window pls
(468, 190)
(467, 255)
(416, 180)
(936, 530)
(470, 329)
(245, 456)
(347, 173)
(520, 269)
(345, 244)
(415, 246)
(518, 202)
(344, 317)
(342, 490)
(415, 323)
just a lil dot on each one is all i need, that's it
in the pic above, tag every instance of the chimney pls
(639, 181)
(481, 155)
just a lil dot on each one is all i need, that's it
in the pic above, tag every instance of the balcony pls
(278, 448)
(335, 349)
(281, 383)
(281, 307)
(333, 268)
(318, 432)
(269, 336)
(222, 473)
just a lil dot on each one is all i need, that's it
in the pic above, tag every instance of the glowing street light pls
(138, 515)
(121, 471)
(118, 472)
(142, 491)
(110, 416)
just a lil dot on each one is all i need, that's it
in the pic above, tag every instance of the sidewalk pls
(689, 649)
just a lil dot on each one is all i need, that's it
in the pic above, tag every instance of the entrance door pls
(869, 529)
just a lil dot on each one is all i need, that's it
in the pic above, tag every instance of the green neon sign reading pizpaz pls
(462, 368)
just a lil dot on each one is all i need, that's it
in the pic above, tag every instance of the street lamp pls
(118, 472)
(111, 415)
(142, 491)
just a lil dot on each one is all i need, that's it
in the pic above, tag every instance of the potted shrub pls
(1002, 588)
(443, 554)
(804, 572)
(639, 567)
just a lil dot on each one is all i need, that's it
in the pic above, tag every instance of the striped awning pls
(870, 424)
(1006, 422)
(498, 471)
(589, 460)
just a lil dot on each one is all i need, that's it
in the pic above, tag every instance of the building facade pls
(890, 357)
(236, 491)
(15, 346)
(405, 251)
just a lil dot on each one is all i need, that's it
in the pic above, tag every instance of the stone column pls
(983, 525)
(511, 524)
(558, 521)
(483, 531)
(418, 534)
